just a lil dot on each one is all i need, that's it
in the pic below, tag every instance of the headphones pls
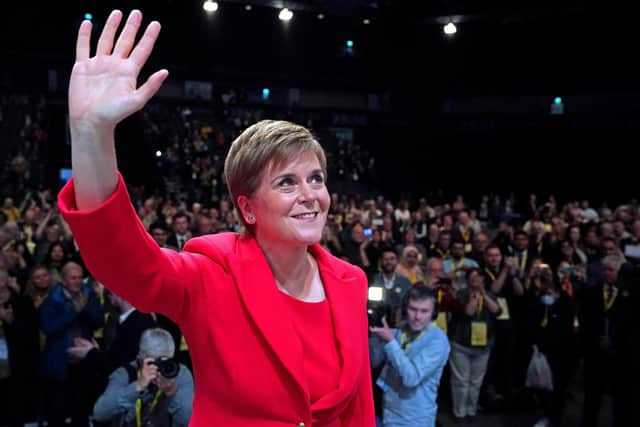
(419, 293)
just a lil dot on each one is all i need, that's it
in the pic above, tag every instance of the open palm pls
(103, 89)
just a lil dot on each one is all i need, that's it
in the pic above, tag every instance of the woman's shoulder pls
(215, 246)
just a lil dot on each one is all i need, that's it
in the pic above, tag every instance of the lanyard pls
(464, 234)
(523, 262)
(154, 403)
(405, 341)
(480, 304)
(608, 302)
(443, 255)
(490, 273)
(545, 319)
(459, 266)
(439, 293)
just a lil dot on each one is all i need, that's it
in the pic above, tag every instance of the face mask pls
(547, 299)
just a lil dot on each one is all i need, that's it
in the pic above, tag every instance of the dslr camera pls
(167, 366)
(376, 308)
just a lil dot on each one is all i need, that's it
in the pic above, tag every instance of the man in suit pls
(181, 232)
(606, 328)
(395, 285)
(131, 323)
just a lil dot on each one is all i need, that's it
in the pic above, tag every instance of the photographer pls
(414, 358)
(445, 291)
(153, 390)
(395, 285)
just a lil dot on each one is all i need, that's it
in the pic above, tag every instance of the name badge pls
(479, 334)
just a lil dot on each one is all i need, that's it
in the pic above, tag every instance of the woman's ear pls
(246, 209)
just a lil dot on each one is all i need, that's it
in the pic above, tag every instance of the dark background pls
(468, 113)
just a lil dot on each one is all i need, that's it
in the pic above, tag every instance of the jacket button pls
(301, 424)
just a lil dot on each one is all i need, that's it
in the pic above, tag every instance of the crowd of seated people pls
(560, 274)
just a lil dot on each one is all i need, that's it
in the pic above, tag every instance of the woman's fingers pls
(151, 86)
(144, 47)
(128, 35)
(105, 43)
(83, 43)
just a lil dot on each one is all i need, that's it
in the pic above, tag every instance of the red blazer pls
(221, 292)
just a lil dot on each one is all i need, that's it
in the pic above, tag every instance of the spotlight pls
(285, 15)
(321, 16)
(265, 93)
(366, 21)
(450, 29)
(349, 44)
(88, 16)
(210, 6)
(248, 7)
(158, 153)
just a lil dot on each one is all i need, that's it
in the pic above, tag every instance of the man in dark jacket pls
(72, 310)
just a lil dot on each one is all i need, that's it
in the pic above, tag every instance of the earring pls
(251, 219)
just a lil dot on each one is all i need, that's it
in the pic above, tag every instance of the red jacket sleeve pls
(120, 254)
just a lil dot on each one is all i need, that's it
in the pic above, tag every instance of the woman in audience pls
(472, 335)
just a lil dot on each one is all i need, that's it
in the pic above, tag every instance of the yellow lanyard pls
(480, 304)
(545, 319)
(608, 302)
(523, 262)
(154, 403)
(405, 341)
(464, 235)
(540, 248)
(490, 274)
(458, 267)
(443, 255)
(439, 297)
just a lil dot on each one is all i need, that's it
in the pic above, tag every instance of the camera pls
(376, 308)
(167, 366)
(444, 281)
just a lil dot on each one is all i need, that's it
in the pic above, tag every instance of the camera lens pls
(168, 367)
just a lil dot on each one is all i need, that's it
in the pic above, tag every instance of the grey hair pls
(156, 342)
(613, 260)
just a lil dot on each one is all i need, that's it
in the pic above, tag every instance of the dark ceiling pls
(523, 47)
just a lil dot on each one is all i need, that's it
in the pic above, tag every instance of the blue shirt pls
(410, 377)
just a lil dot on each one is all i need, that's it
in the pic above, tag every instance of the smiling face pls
(291, 203)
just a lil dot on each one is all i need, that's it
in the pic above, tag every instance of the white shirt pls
(124, 315)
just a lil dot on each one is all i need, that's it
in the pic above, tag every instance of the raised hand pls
(103, 89)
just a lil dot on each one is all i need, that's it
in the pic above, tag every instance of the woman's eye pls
(317, 179)
(286, 182)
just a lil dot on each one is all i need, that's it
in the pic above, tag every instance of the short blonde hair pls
(261, 144)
